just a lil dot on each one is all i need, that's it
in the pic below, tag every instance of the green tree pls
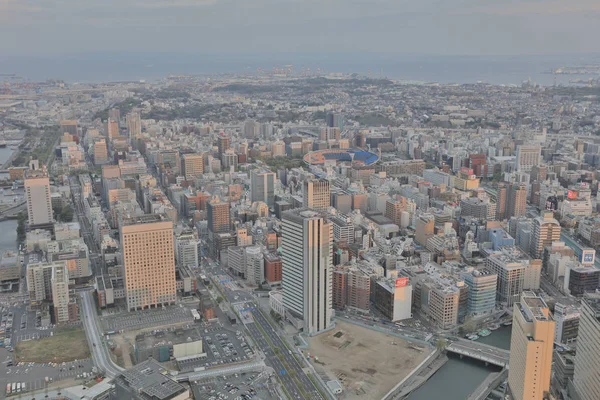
(56, 209)
(219, 300)
(66, 214)
(21, 220)
(440, 344)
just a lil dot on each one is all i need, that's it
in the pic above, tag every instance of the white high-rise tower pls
(307, 268)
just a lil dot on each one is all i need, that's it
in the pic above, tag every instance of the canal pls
(457, 379)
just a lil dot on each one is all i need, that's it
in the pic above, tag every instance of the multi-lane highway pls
(294, 379)
(100, 353)
(290, 373)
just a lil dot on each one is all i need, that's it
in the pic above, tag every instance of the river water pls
(5, 153)
(457, 379)
(8, 235)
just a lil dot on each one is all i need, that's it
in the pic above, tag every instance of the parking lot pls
(24, 325)
(236, 387)
(222, 347)
(34, 374)
(146, 318)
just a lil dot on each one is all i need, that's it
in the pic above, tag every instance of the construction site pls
(366, 362)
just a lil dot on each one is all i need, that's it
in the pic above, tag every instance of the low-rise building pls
(148, 381)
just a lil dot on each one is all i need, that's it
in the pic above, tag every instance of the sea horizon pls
(100, 67)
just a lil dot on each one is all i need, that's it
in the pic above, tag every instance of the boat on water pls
(507, 323)
(494, 327)
(485, 332)
(472, 337)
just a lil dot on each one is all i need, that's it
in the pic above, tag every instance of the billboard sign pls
(588, 256)
(401, 282)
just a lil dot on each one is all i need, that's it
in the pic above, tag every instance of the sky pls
(440, 27)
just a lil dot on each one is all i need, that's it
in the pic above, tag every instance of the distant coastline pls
(109, 67)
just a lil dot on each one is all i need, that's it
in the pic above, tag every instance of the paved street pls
(99, 351)
(84, 224)
(289, 371)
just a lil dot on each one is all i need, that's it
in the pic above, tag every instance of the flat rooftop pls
(534, 302)
(161, 337)
(151, 379)
(145, 219)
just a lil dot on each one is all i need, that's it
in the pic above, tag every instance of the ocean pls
(110, 67)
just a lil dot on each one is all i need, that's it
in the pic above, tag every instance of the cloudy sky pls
(329, 26)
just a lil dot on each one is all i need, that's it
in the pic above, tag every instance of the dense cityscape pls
(288, 234)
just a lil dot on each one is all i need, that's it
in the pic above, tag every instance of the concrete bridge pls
(479, 351)
(488, 385)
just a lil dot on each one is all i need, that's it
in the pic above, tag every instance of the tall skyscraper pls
(37, 194)
(546, 230)
(224, 143)
(134, 125)
(517, 201)
(148, 261)
(316, 194)
(307, 268)
(262, 186)
(114, 113)
(501, 196)
(112, 128)
(251, 129)
(531, 346)
(100, 151)
(527, 157)
(586, 377)
(60, 292)
(335, 120)
(192, 165)
(218, 216)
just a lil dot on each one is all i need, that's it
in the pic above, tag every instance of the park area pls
(65, 345)
(367, 363)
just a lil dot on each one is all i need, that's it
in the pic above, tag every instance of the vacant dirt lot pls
(67, 344)
(367, 363)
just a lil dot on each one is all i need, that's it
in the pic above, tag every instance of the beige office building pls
(531, 346)
(60, 292)
(424, 229)
(586, 378)
(517, 201)
(50, 282)
(527, 157)
(134, 125)
(148, 261)
(100, 151)
(37, 194)
(192, 165)
(316, 194)
(546, 230)
(112, 128)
